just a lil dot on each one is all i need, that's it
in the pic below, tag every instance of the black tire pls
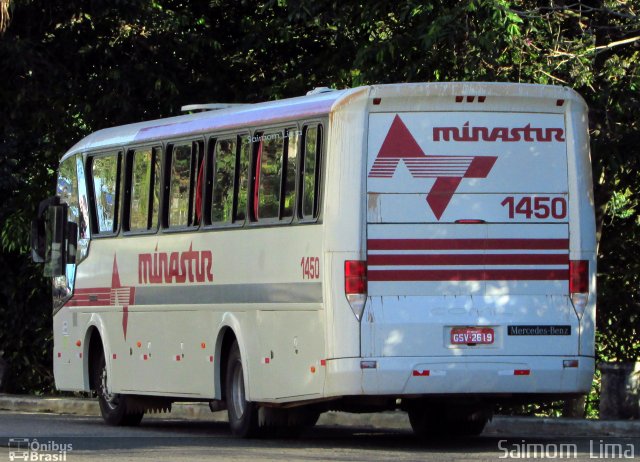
(425, 423)
(436, 422)
(115, 408)
(301, 420)
(469, 427)
(243, 414)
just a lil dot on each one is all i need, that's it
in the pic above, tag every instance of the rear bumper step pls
(433, 375)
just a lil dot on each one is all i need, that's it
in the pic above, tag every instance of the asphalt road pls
(87, 438)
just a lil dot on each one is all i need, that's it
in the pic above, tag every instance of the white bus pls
(426, 247)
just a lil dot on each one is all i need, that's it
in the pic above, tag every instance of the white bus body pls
(450, 258)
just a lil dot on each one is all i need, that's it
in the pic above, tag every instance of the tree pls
(72, 67)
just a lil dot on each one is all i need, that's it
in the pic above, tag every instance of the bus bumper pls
(486, 375)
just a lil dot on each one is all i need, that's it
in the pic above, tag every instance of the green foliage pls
(73, 67)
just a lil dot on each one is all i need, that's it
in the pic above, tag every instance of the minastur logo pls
(448, 171)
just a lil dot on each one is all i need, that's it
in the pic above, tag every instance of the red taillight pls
(355, 277)
(355, 285)
(579, 276)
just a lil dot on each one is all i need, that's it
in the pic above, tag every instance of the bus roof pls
(203, 122)
(308, 106)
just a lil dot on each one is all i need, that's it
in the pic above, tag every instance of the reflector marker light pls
(470, 221)
(567, 363)
(115, 356)
(470, 99)
(560, 102)
(313, 369)
(78, 343)
(323, 362)
(59, 355)
(368, 364)
(515, 372)
(177, 358)
(418, 373)
(522, 372)
(203, 345)
(139, 344)
(377, 101)
(266, 360)
(210, 359)
(79, 355)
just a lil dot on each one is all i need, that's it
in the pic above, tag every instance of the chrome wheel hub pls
(110, 399)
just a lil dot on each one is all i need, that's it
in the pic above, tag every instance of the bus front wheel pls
(243, 414)
(113, 407)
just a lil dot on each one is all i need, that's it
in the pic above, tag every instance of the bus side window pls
(310, 178)
(242, 181)
(269, 162)
(145, 189)
(223, 180)
(105, 172)
(184, 171)
(68, 188)
(289, 183)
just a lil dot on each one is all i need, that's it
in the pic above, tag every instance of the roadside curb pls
(393, 420)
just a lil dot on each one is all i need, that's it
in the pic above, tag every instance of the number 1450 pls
(310, 267)
(540, 207)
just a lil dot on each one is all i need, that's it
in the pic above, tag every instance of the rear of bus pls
(480, 245)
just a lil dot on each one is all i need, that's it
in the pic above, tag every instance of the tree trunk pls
(4, 15)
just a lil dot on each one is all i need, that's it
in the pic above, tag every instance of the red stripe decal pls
(441, 193)
(468, 275)
(467, 259)
(94, 290)
(480, 167)
(468, 244)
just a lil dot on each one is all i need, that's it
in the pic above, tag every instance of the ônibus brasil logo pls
(447, 170)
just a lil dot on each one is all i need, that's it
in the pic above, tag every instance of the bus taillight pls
(355, 285)
(579, 284)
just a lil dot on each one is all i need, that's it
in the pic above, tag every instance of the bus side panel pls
(68, 370)
(289, 360)
(344, 217)
(581, 213)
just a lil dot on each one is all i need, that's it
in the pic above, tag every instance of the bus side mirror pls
(54, 240)
(55, 247)
(72, 242)
(39, 230)
(38, 240)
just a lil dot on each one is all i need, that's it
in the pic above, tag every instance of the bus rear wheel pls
(243, 414)
(115, 408)
(431, 422)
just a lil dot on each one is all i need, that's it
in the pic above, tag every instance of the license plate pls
(475, 335)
